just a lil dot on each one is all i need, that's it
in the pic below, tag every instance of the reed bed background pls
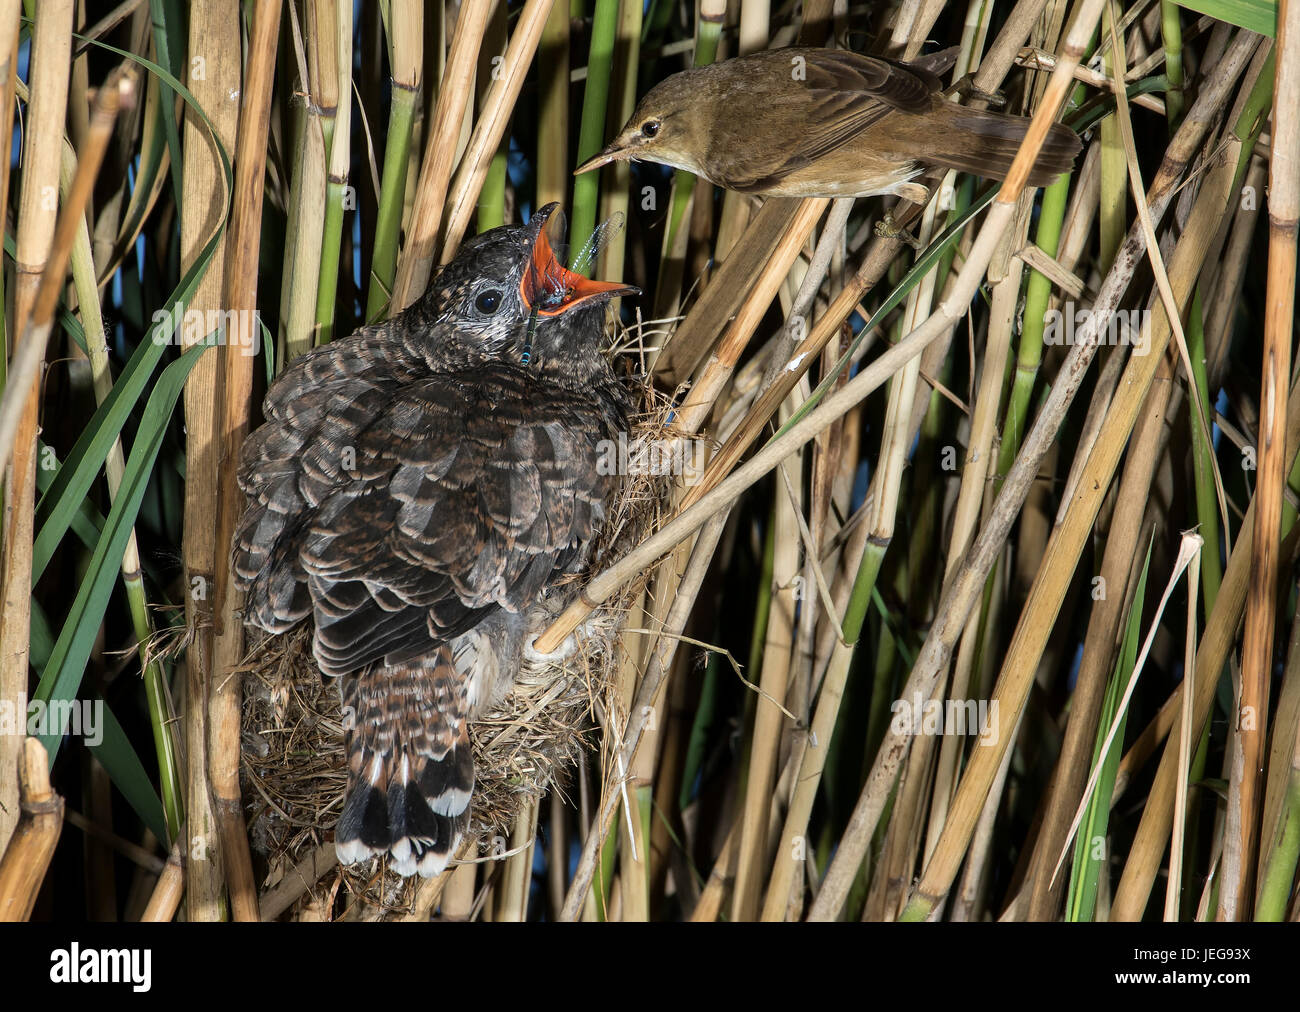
(1044, 463)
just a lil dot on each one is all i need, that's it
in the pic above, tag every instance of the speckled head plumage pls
(482, 303)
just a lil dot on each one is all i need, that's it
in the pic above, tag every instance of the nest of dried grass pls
(293, 762)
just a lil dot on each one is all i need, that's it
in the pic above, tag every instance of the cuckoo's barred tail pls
(998, 139)
(410, 771)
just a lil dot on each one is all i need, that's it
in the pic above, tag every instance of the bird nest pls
(294, 768)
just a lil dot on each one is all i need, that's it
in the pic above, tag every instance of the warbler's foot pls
(966, 88)
(889, 228)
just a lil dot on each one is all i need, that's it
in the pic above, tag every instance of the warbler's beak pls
(615, 151)
(552, 288)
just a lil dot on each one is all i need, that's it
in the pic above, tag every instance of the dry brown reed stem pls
(165, 899)
(1058, 565)
(993, 68)
(455, 89)
(720, 299)
(10, 11)
(146, 859)
(50, 55)
(766, 738)
(491, 127)
(833, 407)
(235, 405)
(965, 588)
(1283, 753)
(1121, 547)
(553, 171)
(1247, 743)
(105, 25)
(647, 692)
(214, 28)
(721, 365)
(822, 730)
(26, 362)
(30, 848)
(877, 261)
(336, 85)
(299, 879)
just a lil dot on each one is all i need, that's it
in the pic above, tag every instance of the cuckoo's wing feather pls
(407, 511)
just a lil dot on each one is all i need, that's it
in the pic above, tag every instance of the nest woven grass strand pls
(294, 768)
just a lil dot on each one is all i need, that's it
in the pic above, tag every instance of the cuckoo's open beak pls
(550, 287)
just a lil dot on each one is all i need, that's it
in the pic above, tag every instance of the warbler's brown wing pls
(400, 510)
(832, 97)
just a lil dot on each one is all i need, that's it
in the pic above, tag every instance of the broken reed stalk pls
(27, 360)
(10, 11)
(165, 899)
(456, 87)
(214, 28)
(1247, 744)
(31, 847)
(51, 46)
(235, 405)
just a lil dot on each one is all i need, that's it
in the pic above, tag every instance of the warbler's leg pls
(966, 88)
(894, 226)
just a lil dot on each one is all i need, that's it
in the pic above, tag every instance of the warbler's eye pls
(649, 128)
(488, 302)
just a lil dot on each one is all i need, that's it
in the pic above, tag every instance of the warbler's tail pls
(985, 143)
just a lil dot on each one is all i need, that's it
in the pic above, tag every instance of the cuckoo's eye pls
(649, 128)
(488, 302)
